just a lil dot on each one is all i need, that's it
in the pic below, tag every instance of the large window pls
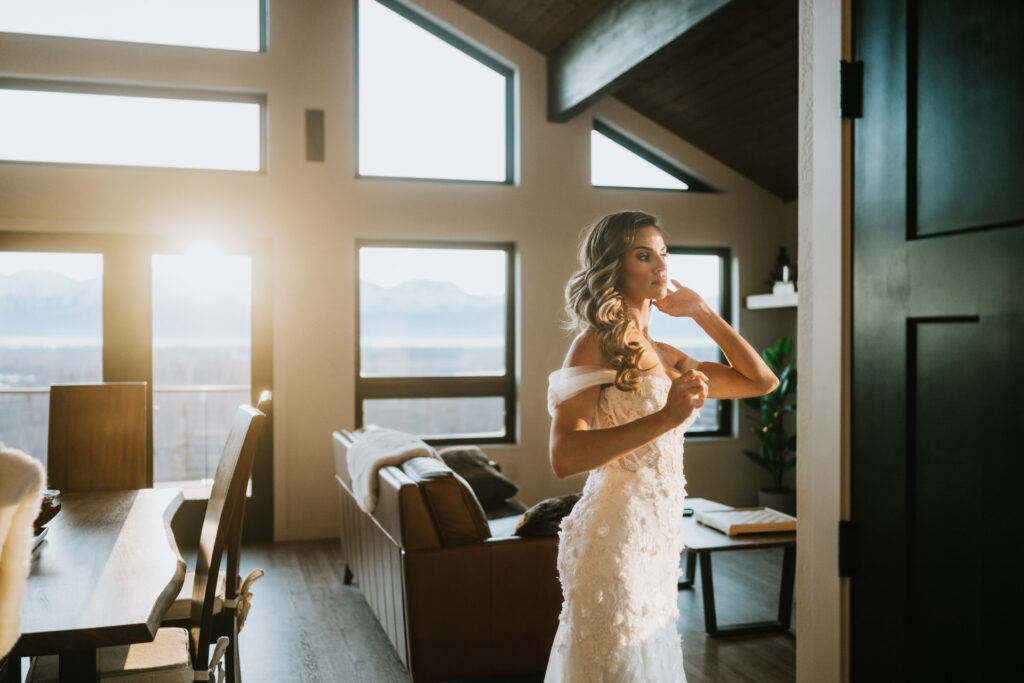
(707, 271)
(196, 327)
(430, 104)
(74, 123)
(51, 332)
(436, 340)
(619, 161)
(224, 24)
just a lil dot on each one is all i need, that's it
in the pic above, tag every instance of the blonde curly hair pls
(593, 299)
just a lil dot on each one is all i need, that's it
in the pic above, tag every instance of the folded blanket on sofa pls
(378, 448)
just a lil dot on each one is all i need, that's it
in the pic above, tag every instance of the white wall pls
(315, 211)
(821, 413)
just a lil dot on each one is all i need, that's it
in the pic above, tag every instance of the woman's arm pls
(746, 375)
(576, 448)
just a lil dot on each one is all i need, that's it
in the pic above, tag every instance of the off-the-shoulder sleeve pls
(567, 382)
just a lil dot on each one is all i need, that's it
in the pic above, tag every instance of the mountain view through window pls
(51, 332)
(433, 313)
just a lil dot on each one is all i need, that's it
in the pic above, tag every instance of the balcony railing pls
(190, 426)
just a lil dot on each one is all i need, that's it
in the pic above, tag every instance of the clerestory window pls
(618, 161)
(430, 104)
(119, 125)
(223, 24)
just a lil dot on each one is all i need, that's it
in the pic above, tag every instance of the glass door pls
(202, 360)
(51, 332)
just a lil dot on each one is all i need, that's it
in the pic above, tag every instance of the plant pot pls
(783, 501)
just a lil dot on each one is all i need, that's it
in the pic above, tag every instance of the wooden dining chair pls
(97, 437)
(233, 597)
(238, 591)
(183, 654)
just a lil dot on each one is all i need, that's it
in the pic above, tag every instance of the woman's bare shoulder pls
(675, 358)
(586, 351)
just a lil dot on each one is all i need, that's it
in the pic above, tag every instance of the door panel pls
(938, 326)
(944, 466)
(962, 168)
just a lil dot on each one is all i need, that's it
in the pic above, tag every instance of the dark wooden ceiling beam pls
(593, 62)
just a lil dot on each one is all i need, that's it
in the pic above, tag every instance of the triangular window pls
(617, 161)
(431, 105)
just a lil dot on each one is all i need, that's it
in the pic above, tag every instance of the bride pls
(621, 404)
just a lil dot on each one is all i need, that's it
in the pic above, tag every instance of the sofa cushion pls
(544, 518)
(469, 462)
(455, 509)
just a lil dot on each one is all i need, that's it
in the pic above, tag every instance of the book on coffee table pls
(757, 520)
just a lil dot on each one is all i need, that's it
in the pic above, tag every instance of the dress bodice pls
(616, 407)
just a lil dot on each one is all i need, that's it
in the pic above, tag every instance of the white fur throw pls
(21, 494)
(378, 448)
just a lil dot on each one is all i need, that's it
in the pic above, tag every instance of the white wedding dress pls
(619, 548)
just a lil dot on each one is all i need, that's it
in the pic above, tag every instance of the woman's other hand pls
(686, 395)
(680, 302)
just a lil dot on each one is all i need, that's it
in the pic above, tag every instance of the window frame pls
(726, 406)
(148, 92)
(649, 155)
(461, 386)
(434, 27)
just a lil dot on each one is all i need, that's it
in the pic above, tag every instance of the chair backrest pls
(97, 437)
(234, 549)
(227, 499)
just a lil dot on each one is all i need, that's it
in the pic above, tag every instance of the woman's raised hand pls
(680, 302)
(686, 395)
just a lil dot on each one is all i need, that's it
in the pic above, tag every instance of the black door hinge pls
(848, 548)
(851, 89)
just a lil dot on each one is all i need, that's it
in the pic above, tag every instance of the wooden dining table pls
(106, 574)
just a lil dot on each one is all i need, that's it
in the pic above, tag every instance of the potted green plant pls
(777, 452)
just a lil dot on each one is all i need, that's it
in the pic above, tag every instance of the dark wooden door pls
(938, 331)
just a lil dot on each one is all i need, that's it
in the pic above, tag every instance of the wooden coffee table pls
(701, 541)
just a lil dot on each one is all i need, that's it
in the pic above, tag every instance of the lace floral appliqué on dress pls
(619, 548)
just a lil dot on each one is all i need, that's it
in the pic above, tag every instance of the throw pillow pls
(544, 518)
(456, 512)
(470, 463)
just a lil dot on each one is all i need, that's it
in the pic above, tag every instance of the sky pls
(480, 272)
(75, 266)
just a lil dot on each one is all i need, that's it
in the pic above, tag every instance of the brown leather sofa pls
(456, 593)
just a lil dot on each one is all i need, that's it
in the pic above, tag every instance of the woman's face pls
(644, 269)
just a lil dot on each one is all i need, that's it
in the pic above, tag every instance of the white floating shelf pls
(772, 300)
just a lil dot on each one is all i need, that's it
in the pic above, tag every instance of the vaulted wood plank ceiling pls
(728, 85)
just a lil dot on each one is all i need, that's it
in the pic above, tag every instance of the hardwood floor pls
(746, 589)
(305, 625)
